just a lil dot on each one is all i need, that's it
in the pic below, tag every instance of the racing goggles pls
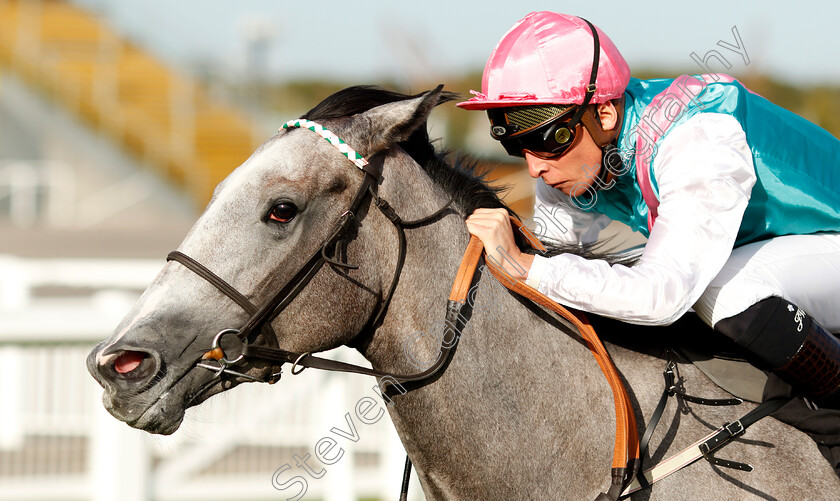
(544, 130)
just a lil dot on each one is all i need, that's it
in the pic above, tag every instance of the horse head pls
(258, 232)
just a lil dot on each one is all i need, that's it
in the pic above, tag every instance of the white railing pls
(57, 441)
(37, 190)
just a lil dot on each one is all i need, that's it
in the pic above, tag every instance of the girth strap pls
(673, 386)
(705, 447)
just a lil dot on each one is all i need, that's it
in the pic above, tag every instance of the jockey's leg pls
(792, 345)
(751, 301)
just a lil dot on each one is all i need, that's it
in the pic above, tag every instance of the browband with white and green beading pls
(331, 138)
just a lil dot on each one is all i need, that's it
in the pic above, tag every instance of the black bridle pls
(261, 317)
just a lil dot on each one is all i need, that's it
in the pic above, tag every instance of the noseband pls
(261, 317)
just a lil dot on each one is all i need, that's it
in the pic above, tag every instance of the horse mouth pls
(164, 412)
(157, 418)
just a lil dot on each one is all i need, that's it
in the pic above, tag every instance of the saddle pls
(721, 360)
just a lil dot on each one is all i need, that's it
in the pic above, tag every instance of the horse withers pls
(520, 410)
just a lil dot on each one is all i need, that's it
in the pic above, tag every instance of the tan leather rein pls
(626, 450)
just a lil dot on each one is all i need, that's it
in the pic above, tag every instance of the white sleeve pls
(705, 174)
(558, 219)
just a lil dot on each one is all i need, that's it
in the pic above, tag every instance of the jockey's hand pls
(492, 227)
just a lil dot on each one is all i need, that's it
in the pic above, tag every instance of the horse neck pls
(503, 354)
(415, 316)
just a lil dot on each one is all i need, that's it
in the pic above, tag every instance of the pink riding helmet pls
(546, 58)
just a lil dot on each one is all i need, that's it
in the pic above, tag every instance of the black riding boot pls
(792, 345)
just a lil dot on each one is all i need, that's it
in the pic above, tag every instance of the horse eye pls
(283, 212)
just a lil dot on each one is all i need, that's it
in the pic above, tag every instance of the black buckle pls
(726, 433)
(387, 210)
(671, 378)
(735, 428)
(720, 439)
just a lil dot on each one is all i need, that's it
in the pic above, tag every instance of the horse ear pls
(392, 123)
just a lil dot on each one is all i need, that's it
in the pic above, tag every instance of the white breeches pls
(804, 269)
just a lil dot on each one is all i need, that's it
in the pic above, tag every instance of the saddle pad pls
(737, 376)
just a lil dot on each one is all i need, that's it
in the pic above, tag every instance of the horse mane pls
(456, 174)
(459, 176)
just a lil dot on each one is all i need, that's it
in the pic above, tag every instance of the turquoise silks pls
(797, 163)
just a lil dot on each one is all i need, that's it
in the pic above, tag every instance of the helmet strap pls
(593, 123)
(612, 158)
(605, 139)
(593, 75)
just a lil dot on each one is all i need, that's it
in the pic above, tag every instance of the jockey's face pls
(573, 172)
(579, 167)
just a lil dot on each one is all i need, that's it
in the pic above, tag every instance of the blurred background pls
(117, 119)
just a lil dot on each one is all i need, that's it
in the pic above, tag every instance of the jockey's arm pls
(705, 175)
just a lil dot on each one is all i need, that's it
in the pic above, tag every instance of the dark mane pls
(457, 175)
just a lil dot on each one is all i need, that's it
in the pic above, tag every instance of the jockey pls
(739, 198)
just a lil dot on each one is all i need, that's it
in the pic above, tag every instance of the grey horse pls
(520, 411)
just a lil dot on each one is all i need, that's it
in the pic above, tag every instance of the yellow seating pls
(150, 109)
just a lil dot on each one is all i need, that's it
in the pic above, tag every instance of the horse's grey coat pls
(522, 412)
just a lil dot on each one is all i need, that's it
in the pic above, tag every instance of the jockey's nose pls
(124, 367)
(536, 167)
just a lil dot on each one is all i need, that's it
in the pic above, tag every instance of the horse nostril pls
(124, 369)
(128, 361)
